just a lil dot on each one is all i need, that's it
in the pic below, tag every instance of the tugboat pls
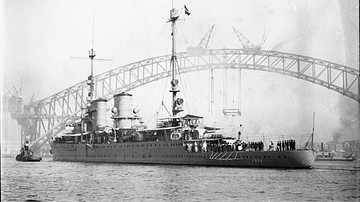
(26, 154)
(180, 139)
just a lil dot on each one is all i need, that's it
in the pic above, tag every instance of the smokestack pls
(322, 147)
(123, 104)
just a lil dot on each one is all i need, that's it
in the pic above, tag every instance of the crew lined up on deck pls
(286, 145)
(224, 147)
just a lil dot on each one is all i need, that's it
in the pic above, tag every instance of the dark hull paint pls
(173, 153)
(28, 158)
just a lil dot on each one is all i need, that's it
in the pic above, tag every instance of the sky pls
(39, 39)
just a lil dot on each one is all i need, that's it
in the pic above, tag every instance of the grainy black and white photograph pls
(180, 100)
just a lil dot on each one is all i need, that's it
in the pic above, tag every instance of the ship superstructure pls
(178, 139)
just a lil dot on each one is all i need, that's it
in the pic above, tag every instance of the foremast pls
(91, 78)
(176, 102)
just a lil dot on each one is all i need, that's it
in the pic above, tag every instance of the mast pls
(85, 121)
(91, 77)
(312, 135)
(176, 102)
(91, 56)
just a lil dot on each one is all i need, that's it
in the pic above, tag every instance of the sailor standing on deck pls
(239, 133)
(271, 146)
(26, 145)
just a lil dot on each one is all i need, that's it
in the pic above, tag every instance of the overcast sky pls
(40, 37)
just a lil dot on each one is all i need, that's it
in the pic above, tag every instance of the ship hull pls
(28, 158)
(173, 153)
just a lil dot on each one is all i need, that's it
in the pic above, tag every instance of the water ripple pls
(65, 181)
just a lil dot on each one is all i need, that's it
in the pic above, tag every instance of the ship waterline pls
(174, 153)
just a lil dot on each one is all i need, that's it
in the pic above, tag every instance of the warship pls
(180, 139)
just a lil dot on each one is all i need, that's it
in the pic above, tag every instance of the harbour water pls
(75, 181)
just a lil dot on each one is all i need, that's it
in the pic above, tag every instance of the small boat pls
(331, 157)
(26, 154)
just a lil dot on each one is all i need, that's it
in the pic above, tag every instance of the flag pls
(187, 12)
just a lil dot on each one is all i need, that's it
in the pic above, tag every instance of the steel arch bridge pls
(46, 118)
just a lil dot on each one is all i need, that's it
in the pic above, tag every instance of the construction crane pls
(200, 49)
(247, 45)
(13, 92)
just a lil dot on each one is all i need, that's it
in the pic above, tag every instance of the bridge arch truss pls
(47, 117)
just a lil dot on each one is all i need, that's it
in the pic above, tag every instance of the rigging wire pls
(157, 112)
(184, 29)
(164, 85)
(185, 90)
(181, 79)
(233, 87)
